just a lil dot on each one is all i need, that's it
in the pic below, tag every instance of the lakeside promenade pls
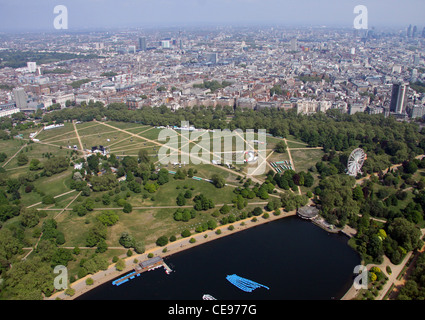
(179, 245)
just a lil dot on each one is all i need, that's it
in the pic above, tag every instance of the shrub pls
(48, 199)
(186, 233)
(162, 241)
(89, 281)
(70, 292)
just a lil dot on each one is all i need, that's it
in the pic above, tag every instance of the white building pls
(312, 106)
(7, 110)
(32, 67)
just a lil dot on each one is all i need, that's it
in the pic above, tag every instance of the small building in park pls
(308, 212)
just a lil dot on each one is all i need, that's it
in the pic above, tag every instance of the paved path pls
(392, 278)
(79, 140)
(101, 277)
(292, 161)
(60, 195)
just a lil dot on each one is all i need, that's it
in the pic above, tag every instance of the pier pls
(148, 265)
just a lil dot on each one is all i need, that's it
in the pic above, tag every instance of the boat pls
(208, 297)
(244, 284)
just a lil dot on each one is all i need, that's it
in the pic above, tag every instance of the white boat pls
(208, 297)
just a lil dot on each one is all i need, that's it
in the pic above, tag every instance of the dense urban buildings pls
(308, 69)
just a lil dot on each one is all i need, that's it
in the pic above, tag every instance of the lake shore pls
(179, 245)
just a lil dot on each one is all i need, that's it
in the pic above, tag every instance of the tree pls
(126, 240)
(257, 211)
(93, 163)
(48, 199)
(225, 209)
(218, 181)
(35, 164)
(120, 265)
(181, 200)
(358, 193)
(127, 208)
(22, 159)
(179, 175)
(410, 167)
(163, 176)
(185, 233)
(139, 247)
(108, 218)
(29, 217)
(280, 147)
(162, 241)
(55, 165)
(143, 156)
(405, 233)
(151, 187)
(30, 280)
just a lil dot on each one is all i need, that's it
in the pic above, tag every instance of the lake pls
(294, 258)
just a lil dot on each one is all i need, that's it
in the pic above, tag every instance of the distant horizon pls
(206, 26)
(86, 15)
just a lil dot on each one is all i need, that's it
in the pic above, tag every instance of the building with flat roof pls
(308, 212)
(20, 97)
(8, 109)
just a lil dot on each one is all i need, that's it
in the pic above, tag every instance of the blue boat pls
(244, 284)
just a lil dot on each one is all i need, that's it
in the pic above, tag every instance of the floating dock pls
(148, 265)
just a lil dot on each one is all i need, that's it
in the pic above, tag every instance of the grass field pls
(123, 139)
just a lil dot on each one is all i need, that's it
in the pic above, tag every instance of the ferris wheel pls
(355, 162)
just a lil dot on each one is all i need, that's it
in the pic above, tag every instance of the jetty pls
(148, 265)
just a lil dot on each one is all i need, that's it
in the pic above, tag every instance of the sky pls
(37, 15)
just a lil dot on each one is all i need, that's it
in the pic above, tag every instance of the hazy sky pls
(38, 14)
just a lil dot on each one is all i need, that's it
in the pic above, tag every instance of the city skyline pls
(25, 15)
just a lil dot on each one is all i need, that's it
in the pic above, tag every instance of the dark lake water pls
(294, 258)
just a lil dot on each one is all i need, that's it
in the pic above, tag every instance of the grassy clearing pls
(305, 159)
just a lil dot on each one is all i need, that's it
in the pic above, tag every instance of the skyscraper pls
(415, 30)
(409, 31)
(399, 98)
(142, 44)
(423, 33)
(294, 44)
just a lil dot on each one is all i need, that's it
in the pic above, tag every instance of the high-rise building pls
(213, 58)
(32, 66)
(294, 45)
(416, 59)
(409, 31)
(165, 44)
(20, 98)
(142, 44)
(415, 30)
(423, 33)
(399, 98)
